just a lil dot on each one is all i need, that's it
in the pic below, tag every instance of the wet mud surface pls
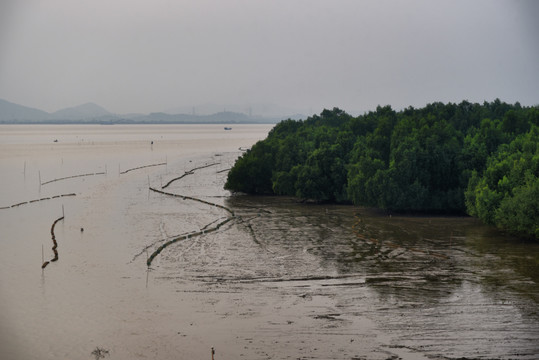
(273, 279)
(410, 287)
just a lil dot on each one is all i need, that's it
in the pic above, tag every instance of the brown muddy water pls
(279, 280)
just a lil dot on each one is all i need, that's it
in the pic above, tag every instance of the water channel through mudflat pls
(252, 277)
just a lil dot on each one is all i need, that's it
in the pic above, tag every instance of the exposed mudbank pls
(279, 280)
(416, 278)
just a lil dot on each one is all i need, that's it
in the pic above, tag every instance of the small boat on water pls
(228, 128)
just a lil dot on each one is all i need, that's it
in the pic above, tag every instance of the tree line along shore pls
(466, 158)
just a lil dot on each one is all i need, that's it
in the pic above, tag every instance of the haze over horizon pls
(303, 55)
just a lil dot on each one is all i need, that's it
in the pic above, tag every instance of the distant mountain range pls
(85, 111)
(259, 109)
(91, 113)
(12, 112)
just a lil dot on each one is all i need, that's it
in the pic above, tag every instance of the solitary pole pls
(63, 215)
(148, 269)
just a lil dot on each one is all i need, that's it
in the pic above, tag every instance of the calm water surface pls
(280, 280)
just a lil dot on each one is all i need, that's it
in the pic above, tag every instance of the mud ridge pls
(204, 230)
(188, 172)
(71, 177)
(178, 178)
(252, 232)
(208, 225)
(185, 197)
(142, 167)
(37, 200)
(55, 244)
(185, 237)
(145, 249)
(168, 238)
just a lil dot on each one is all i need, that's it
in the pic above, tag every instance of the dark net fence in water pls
(205, 230)
(55, 244)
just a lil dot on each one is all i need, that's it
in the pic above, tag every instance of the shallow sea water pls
(280, 280)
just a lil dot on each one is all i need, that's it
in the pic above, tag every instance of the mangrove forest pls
(466, 158)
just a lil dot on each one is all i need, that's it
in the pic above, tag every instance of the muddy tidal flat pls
(119, 242)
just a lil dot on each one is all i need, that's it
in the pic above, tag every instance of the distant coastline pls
(90, 113)
(154, 118)
(137, 122)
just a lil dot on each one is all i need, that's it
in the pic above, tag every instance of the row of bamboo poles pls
(36, 200)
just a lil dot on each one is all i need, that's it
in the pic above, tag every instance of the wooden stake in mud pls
(212, 353)
(63, 215)
(148, 269)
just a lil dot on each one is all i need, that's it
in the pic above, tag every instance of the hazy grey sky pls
(145, 56)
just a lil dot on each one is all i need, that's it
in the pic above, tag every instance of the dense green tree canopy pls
(482, 159)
